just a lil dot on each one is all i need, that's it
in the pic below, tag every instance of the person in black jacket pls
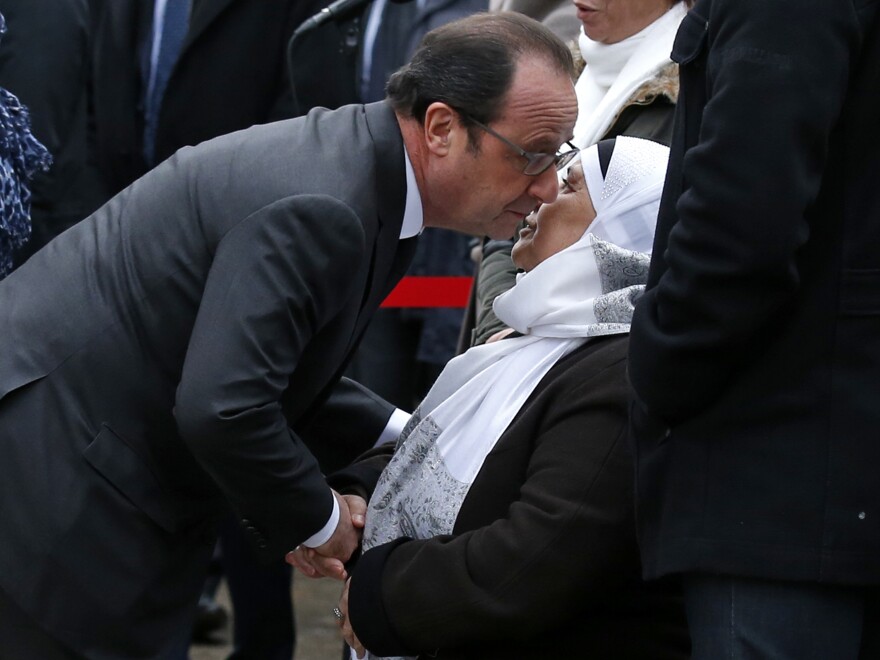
(226, 72)
(755, 351)
(44, 60)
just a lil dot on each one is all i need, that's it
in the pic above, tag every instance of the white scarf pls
(615, 71)
(585, 290)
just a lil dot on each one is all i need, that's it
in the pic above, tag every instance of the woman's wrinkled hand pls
(345, 624)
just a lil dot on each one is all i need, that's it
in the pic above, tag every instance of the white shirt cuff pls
(322, 536)
(394, 427)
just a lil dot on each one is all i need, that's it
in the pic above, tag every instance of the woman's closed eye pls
(573, 179)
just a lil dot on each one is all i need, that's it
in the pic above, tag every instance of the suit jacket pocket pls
(114, 460)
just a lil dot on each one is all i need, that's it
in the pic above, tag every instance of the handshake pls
(328, 559)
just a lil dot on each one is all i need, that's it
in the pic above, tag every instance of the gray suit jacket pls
(166, 352)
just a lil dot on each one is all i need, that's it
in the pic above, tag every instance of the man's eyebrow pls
(546, 145)
(542, 146)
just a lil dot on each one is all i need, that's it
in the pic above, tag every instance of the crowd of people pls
(657, 439)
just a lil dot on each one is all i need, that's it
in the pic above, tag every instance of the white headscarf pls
(615, 71)
(585, 290)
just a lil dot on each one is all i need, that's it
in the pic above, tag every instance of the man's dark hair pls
(469, 64)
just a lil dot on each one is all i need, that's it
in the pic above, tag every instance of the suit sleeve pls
(275, 280)
(773, 98)
(333, 436)
(564, 544)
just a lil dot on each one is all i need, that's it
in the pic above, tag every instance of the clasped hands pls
(328, 560)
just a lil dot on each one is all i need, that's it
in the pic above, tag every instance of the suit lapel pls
(390, 202)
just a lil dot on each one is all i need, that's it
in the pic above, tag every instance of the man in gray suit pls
(169, 356)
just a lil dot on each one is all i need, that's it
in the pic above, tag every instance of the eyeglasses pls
(536, 162)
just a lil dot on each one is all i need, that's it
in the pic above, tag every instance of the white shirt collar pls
(413, 216)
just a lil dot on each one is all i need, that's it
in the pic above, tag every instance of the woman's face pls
(553, 227)
(610, 21)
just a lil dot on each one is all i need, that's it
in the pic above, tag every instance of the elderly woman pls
(502, 523)
(629, 86)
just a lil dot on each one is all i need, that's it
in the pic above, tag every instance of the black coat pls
(230, 75)
(542, 561)
(756, 349)
(168, 352)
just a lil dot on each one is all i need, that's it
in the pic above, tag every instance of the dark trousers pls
(261, 599)
(750, 619)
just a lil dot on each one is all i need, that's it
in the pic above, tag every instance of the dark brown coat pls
(543, 560)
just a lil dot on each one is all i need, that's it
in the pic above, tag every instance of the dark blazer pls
(542, 562)
(230, 75)
(168, 350)
(756, 349)
(44, 60)
(338, 46)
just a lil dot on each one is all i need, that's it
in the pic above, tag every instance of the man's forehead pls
(541, 123)
(541, 104)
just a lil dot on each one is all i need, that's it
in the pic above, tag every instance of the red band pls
(430, 292)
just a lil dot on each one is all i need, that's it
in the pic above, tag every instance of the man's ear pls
(441, 124)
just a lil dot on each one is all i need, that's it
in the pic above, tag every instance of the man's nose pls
(545, 186)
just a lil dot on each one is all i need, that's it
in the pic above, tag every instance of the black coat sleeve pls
(346, 425)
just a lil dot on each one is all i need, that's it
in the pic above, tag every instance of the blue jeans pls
(734, 618)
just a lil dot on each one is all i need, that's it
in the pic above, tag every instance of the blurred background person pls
(173, 73)
(628, 86)
(44, 61)
(21, 157)
(557, 15)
